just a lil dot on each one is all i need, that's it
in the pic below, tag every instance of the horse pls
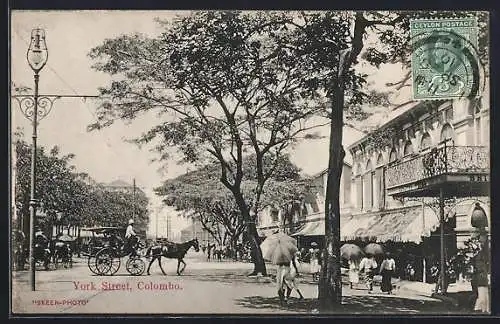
(172, 251)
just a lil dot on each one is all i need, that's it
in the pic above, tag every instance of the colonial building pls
(196, 230)
(305, 219)
(433, 152)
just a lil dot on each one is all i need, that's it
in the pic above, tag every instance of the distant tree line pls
(73, 196)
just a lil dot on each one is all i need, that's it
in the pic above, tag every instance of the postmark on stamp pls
(444, 58)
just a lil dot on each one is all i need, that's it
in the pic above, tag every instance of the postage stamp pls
(444, 58)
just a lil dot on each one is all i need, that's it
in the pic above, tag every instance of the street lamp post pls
(37, 56)
(35, 108)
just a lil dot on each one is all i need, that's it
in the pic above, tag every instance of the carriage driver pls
(131, 237)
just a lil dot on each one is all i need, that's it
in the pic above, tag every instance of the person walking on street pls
(290, 278)
(209, 251)
(353, 273)
(314, 260)
(387, 269)
(368, 266)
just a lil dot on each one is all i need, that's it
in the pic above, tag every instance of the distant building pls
(307, 219)
(196, 230)
(121, 186)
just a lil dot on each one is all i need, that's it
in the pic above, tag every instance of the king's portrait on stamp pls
(249, 162)
(445, 62)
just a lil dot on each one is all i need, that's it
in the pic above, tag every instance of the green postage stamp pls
(444, 59)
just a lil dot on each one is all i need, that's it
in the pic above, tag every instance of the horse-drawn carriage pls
(49, 253)
(106, 249)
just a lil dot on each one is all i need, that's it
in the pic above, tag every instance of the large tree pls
(331, 45)
(202, 196)
(225, 86)
(105, 207)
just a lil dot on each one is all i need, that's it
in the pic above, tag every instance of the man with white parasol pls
(281, 250)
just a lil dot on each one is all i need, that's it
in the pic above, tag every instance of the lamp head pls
(37, 52)
(478, 217)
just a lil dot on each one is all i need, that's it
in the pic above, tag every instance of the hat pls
(131, 221)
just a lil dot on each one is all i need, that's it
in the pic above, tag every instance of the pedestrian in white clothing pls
(368, 266)
(131, 238)
(290, 278)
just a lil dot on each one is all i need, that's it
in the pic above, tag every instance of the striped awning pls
(349, 230)
(408, 225)
(402, 225)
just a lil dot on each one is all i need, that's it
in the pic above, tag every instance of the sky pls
(104, 154)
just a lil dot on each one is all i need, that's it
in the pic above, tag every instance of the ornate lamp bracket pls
(27, 105)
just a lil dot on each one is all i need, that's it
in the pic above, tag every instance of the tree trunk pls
(330, 284)
(257, 258)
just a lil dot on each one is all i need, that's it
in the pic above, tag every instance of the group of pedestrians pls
(368, 267)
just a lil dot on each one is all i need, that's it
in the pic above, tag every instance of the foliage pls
(202, 196)
(61, 189)
(226, 84)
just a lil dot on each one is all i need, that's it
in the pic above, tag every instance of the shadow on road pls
(224, 277)
(354, 305)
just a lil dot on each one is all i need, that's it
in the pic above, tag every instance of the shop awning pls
(402, 225)
(316, 228)
(408, 225)
(349, 228)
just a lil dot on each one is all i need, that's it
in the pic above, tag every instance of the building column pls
(463, 122)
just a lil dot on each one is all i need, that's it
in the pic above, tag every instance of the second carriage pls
(106, 249)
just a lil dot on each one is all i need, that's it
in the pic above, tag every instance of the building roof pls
(117, 184)
(383, 119)
(396, 115)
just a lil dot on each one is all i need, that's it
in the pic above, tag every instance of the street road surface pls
(204, 288)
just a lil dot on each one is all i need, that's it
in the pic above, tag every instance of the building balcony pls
(460, 171)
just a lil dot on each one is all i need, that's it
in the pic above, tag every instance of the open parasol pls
(279, 248)
(374, 249)
(351, 252)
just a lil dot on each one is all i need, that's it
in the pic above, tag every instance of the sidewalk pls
(458, 294)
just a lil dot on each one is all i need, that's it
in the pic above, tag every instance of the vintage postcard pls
(250, 162)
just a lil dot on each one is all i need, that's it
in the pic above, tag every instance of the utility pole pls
(156, 219)
(168, 226)
(133, 199)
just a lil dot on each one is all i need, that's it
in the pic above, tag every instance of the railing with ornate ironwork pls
(439, 160)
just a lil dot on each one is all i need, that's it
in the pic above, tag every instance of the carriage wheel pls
(91, 262)
(135, 266)
(106, 262)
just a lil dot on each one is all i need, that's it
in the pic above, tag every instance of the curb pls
(446, 299)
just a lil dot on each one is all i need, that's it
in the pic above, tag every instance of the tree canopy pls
(61, 189)
(202, 196)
